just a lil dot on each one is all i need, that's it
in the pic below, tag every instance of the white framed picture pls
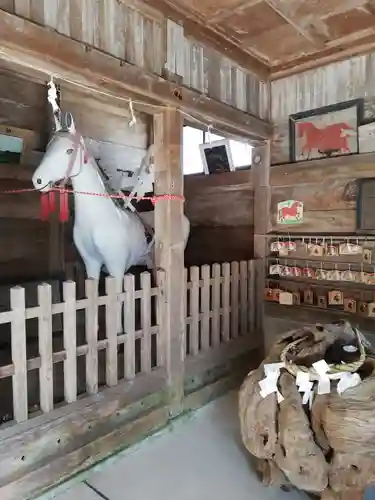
(216, 157)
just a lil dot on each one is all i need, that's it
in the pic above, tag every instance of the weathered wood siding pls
(151, 42)
(321, 186)
(24, 246)
(330, 84)
(221, 212)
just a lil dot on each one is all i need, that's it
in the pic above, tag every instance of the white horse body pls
(104, 234)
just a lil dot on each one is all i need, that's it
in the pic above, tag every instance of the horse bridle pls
(78, 147)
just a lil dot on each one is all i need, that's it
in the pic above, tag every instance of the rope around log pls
(293, 368)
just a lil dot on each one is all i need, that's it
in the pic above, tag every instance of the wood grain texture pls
(323, 221)
(222, 209)
(319, 171)
(208, 244)
(69, 59)
(169, 248)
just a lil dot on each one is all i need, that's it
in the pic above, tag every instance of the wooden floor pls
(201, 459)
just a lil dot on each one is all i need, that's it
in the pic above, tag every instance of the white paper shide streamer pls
(269, 384)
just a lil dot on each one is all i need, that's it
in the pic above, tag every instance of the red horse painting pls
(293, 211)
(327, 140)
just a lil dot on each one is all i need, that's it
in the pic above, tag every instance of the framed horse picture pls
(325, 132)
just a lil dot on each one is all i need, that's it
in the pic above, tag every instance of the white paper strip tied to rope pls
(269, 384)
(348, 380)
(305, 386)
(324, 384)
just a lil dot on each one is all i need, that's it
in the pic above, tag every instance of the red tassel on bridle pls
(48, 200)
(47, 205)
(44, 206)
(64, 206)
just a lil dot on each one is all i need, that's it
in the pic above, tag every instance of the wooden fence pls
(89, 354)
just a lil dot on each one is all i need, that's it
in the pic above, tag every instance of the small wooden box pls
(363, 308)
(322, 301)
(335, 298)
(286, 298)
(350, 305)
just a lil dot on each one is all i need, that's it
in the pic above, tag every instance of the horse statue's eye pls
(69, 151)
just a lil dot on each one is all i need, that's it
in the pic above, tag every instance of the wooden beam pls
(48, 51)
(262, 226)
(286, 12)
(169, 249)
(206, 33)
(224, 13)
(327, 56)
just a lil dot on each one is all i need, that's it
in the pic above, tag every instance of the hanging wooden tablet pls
(367, 255)
(275, 246)
(308, 297)
(332, 250)
(309, 272)
(283, 250)
(335, 298)
(286, 298)
(315, 250)
(350, 249)
(348, 275)
(350, 305)
(291, 245)
(322, 301)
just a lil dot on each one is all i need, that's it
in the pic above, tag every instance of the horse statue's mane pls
(117, 195)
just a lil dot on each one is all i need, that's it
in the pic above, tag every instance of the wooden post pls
(45, 348)
(262, 226)
(169, 248)
(18, 342)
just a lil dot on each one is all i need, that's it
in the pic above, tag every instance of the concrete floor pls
(201, 459)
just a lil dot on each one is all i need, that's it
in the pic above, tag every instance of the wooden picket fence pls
(93, 354)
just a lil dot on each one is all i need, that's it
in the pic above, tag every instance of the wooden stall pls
(80, 394)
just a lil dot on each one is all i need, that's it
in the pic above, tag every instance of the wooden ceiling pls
(279, 36)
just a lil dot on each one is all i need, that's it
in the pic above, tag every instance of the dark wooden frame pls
(324, 110)
(360, 184)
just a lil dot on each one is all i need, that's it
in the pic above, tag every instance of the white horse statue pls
(104, 234)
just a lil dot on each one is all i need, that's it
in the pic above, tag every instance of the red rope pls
(153, 199)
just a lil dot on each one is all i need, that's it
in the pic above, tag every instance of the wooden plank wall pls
(221, 212)
(24, 239)
(322, 186)
(327, 85)
(149, 41)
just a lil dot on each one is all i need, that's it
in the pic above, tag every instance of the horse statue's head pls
(63, 158)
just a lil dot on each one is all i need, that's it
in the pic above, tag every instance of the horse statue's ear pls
(69, 123)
